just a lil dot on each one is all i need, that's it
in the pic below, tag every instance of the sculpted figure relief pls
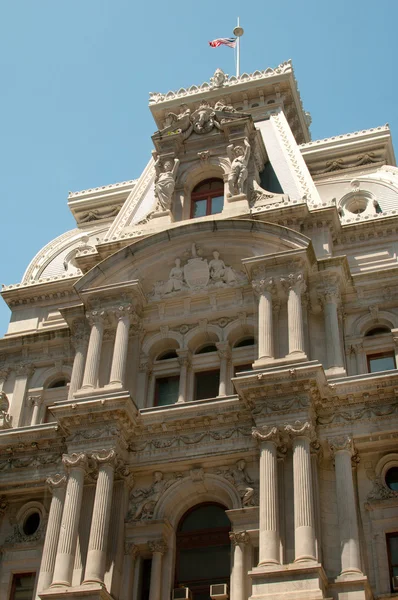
(240, 478)
(147, 498)
(165, 181)
(176, 278)
(239, 158)
(219, 272)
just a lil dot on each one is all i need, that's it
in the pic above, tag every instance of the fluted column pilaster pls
(269, 550)
(36, 402)
(295, 287)
(131, 553)
(158, 548)
(80, 342)
(304, 519)
(264, 288)
(57, 485)
(124, 315)
(224, 352)
(240, 541)
(96, 555)
(342, 448)
(96, 319)
(330, 299)
(77, 465)
(184, 360)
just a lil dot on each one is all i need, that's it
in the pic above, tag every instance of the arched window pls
(379, 348)
(61, 382)
(207, 198)
(203, 549)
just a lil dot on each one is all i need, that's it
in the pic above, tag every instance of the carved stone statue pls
(204, 118)
(178, 123)
(5, 419)
(175, 282)
(240, 478)
(219, 272)
(165, 182)
(219, 78)
(239, 158)
(149, 497)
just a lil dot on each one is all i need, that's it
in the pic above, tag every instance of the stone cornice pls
(42, 292)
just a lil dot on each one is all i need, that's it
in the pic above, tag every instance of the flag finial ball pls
(238, 31)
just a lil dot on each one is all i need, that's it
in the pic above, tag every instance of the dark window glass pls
(203, 550)
(381, 362)
(146, 578)
(241, 368)
(378, 331)
(206, 384)
(166, 390)
(392, 548)
(392, 478)
(22, 586)
(207, 198)
(59, 383)
(207, 348)
(31, 524)
(168, 354)
(249, 341)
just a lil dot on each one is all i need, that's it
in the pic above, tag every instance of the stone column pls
(124, 316)
(362, 367)
(96, 319)
(269, 550)
(224, 352)
(240, 540)
(343, 449)
(330, 299)
(316, 452)
(144, 375)
(276, 307)
(295, 286)
(57, 485)
(264, 288)
(79, 341)
(96, 555)
(130, 555)
(304, 520)
(184, 362)
(77, 466)
(36, 402)
(23, 372)
(158, 548)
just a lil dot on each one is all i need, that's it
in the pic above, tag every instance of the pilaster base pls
(350, 586)
(335, 372)
(304, 581)
(266, 361)
(88, 591)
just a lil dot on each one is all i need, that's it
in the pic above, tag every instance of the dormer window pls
(207, 198)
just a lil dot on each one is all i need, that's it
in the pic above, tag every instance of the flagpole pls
(238, 31)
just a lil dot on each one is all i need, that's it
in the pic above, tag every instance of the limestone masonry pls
(198, 385)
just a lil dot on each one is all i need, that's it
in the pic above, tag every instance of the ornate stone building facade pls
(198, 383)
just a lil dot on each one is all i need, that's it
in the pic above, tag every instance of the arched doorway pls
(203, 549)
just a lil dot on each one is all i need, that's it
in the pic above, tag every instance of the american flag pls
(231, 42)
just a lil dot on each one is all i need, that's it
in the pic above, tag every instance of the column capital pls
(97, 316)
(159, 546)
(223, 350)
(184, 357)
(24, 369)
(125, 311)
(35, 400)
(329, 293)
(300, 429)
(56, 481)
(130, 549)
(4, 372)
(239, 538)
(294, 281)
(341, 443)
(75, 460)
(266, 433)
(79, 334)
(262, 285)
(105, 456)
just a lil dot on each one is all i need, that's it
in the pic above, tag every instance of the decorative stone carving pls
(266, 433)
(240, 478)
(300, 429)
(197, 273)
(294, 281)
(239, 158)
(104, 456)
(239, 537)
(3, 505)
(380, 491)
(130, 549)
(158, 546)
(264, 285)
(143, 500)
(76, 459)
(5, 418)
(166, 172)
(219, 78)
(56, 481)
(180, 123)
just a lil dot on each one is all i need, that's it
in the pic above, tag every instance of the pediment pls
(199, 256)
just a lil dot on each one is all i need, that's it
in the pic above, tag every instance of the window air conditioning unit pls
(182, 593)
(219, 591)
(395, 583)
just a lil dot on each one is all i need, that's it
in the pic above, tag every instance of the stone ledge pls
(89, 591)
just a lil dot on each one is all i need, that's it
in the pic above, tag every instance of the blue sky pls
(76, 76)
